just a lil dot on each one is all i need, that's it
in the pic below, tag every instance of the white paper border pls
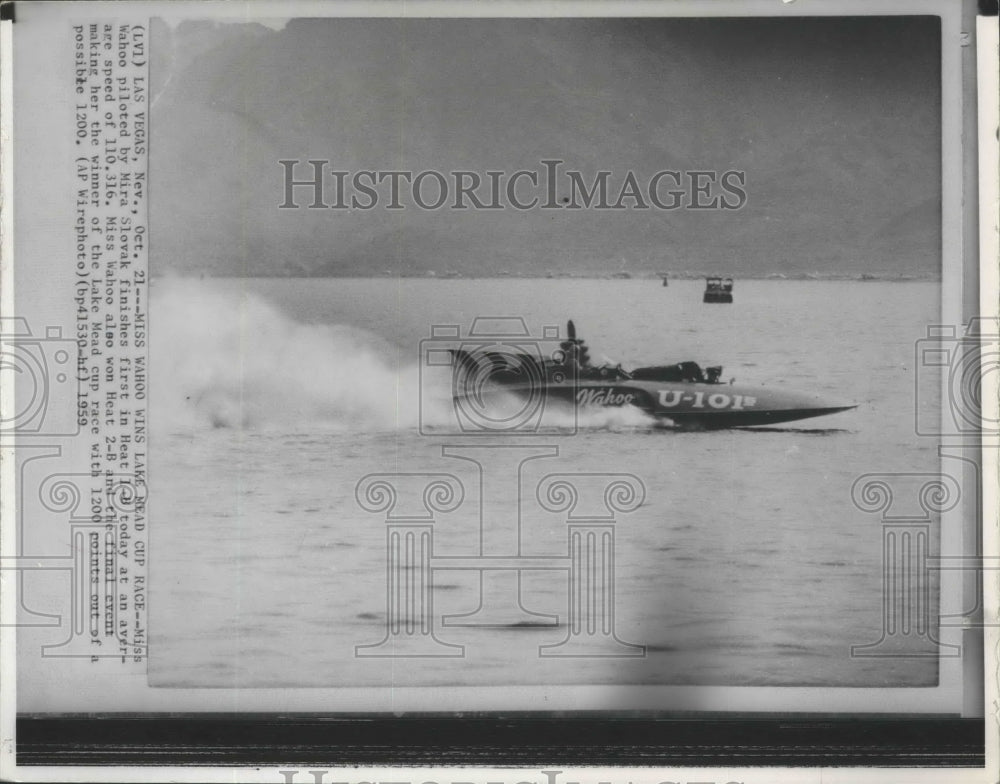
(727, 698)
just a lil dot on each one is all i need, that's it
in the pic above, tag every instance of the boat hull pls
(688, 405)
(719, 421)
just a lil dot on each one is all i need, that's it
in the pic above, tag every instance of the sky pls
(834, 123)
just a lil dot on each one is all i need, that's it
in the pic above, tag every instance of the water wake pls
(229, 359)
(223, 358)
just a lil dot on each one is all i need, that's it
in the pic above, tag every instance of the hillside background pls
(836, 123)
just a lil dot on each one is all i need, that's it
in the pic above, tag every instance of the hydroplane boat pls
(684, 394)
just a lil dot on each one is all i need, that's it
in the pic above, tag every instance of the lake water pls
(746, 564)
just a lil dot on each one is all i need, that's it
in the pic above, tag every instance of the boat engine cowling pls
(681, 371)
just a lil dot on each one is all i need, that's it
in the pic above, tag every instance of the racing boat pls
(683, 393)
